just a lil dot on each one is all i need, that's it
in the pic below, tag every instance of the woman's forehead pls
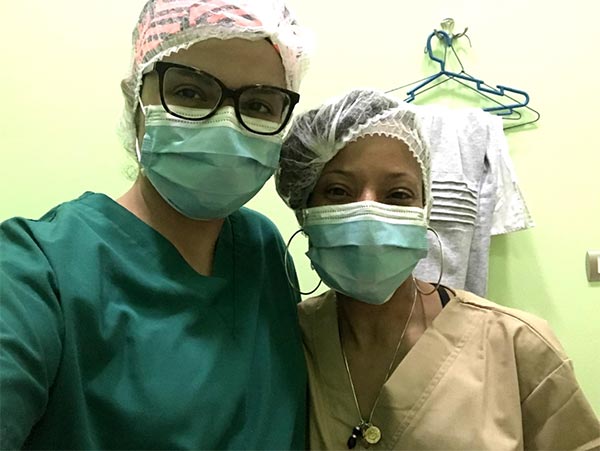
(381, 154)
(235, 61)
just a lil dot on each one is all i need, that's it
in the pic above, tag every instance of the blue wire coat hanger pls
(481, 86)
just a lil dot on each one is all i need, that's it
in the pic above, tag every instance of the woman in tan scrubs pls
(395, 362)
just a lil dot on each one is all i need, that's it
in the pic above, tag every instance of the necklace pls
(366, 429)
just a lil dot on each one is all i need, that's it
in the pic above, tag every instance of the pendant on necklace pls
(356, 433)
(372, 435)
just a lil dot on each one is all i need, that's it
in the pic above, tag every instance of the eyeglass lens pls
(194, 95)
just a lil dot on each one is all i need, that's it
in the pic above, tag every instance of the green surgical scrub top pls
(110, 340)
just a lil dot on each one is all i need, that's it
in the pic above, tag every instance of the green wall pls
(63, 60)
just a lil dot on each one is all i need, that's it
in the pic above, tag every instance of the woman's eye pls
(258, 107)
(401, 196)
(336, 192)
(190, 94)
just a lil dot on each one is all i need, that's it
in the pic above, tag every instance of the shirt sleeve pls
(510, 212)
(557, 416)
(31, 330)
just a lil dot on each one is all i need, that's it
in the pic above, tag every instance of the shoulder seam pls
(556, 351)
(549, 375)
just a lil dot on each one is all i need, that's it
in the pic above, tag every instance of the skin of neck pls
(194, 239)
(366, 324)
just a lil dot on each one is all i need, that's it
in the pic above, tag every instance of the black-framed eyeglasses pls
(195, 95)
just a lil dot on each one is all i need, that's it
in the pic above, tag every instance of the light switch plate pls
(592, 265)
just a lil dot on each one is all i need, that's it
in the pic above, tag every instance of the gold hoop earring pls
(437, 285)
(287, 274)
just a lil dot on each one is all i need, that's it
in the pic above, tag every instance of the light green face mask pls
(365, 250)
(206, 169)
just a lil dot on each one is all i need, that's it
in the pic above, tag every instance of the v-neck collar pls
(144, 237)
(152, 247)
(411, 383)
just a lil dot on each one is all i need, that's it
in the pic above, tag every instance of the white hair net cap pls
(167, 26)
(316, 136)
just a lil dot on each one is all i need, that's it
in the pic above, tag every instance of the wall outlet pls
(592, 266)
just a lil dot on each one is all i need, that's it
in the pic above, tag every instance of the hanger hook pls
(447, 40)
(448, 26)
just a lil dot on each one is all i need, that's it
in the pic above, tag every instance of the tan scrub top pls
(482, 377)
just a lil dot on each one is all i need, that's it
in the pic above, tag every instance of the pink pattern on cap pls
(168, 17)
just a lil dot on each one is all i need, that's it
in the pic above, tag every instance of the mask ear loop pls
(439, 281)
(285, 262)
(138, 152)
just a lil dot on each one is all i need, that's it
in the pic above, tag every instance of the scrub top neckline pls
(411, 382)
(143, 237)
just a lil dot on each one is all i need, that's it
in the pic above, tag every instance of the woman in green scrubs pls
(163, 319)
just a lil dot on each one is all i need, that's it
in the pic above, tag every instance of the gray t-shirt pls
(475, 194)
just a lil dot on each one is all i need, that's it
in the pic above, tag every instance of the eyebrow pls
(338, 172)
(403, 175)
(389, 175)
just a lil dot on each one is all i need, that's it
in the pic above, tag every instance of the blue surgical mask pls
(365, 250)
(206, 169)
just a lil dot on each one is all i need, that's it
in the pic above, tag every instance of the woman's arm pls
(31, 332)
